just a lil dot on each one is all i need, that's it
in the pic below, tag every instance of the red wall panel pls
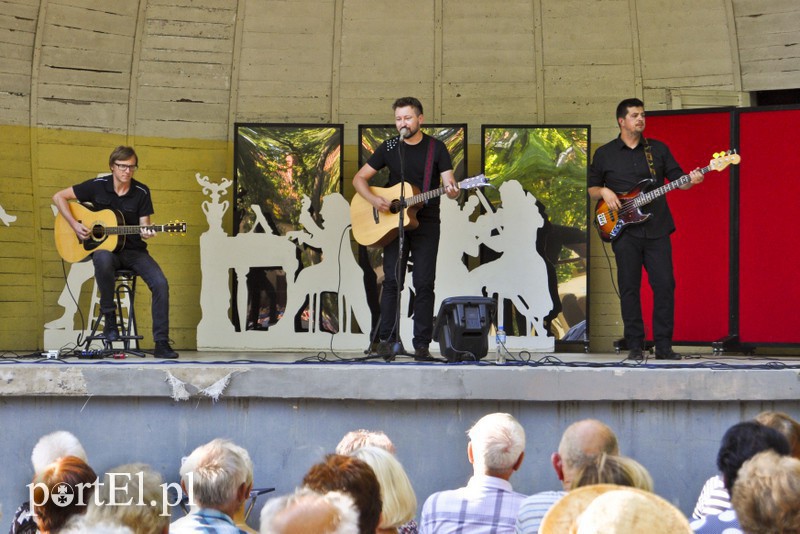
(769, 242)
(701, 243)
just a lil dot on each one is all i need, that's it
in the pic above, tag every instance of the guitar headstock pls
(175, 228)
(475, 181)
(723, 159)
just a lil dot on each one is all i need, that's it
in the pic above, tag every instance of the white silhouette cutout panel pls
(519, 274)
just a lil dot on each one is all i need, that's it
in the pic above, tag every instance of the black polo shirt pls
(132, 205)
(621, 169)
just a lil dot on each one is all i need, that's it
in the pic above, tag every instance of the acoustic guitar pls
(107, 231)
(610, 223)
(373, 228)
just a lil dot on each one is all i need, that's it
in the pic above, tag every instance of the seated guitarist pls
(119, 191)
(423, 161)
(618, 167)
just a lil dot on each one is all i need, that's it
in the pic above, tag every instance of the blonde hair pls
(612, 469)
(138, 483)
(784, 424)
(766, 494)
(399, 500)
(53, 446)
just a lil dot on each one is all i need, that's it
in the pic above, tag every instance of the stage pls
(290, 408)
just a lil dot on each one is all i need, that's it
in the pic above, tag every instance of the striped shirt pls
(713, 499)
(533, 509)
(485, 505)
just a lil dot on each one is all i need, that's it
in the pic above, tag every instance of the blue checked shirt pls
(205, 521)
(485, 505)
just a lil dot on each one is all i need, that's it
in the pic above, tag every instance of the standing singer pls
(423, 161)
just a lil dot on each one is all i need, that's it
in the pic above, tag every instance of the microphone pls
(404, 132)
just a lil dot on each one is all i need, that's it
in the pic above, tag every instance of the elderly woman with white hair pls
(47, 450)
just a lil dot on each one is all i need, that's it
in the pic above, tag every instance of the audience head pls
(354, 477)
(70, 478)
(363, 438)
(741, 442)
(766, 494)
(308, 511)
(220, 475)
(581, 443)
(496, 445)
(138, 484)
(53, 446)
(612, 469)
(784, 424)
(627, 510)
(397, 495)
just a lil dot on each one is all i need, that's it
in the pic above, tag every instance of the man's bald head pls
(581, 443)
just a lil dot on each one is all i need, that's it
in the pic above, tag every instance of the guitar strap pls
(648, 154)
(429, 166)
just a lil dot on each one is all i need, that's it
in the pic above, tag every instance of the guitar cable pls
(610, 269)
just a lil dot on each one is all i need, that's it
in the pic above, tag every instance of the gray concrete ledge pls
(184, 380)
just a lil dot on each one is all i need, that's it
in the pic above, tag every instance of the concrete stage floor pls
(701, 376)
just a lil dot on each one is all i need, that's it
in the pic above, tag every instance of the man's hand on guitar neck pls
(145, 231)
(696, 177)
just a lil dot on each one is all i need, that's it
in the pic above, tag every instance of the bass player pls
(618, 167)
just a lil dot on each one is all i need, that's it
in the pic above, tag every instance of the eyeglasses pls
(124, 167)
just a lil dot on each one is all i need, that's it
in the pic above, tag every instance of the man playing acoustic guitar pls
(420, 160)
(119, 191)
(618, 167)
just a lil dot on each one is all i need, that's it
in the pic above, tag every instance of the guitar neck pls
(427, 195)
(133, 229)
(650, 196)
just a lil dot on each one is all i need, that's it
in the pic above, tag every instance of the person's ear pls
(519, 461)
(558, 465)
(470, 454)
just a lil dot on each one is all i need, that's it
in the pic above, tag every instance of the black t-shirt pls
(134, 204)
(621, 169)
(414, 157)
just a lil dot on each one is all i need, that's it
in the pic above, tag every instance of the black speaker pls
(462, 327)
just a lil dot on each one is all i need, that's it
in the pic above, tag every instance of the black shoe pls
(110, 331)
(383, 349)
(636, 355)
(422, 354)
(669, 355)
(164, 351)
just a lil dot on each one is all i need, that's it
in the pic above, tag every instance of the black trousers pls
(423, 245)
(106, 264)
(654, 255)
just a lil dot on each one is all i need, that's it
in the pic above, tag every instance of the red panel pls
(701, 243)
(769, 257)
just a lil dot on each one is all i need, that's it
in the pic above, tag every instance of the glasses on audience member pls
(124, 167)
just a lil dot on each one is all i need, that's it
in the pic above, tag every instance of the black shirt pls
(621, 169)
(414, 159)
(132, 205)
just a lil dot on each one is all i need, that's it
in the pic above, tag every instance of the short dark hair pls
(122, 153)
(353, 477)
(741, 442)
(408, 101)
(622, 107)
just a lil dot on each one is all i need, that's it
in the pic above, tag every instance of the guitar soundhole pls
(98, 231)
(395, 207)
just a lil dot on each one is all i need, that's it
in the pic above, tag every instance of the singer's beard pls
(412, 133)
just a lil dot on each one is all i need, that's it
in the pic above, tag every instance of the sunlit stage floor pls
(560, 376)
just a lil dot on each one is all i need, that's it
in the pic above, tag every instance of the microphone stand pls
(397, 346)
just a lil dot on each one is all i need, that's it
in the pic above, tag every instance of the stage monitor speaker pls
(462, 327)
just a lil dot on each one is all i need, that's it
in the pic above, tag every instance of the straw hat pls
(612, 509)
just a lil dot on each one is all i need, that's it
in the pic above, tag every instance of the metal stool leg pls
(126, 287)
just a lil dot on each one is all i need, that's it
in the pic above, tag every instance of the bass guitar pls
(610, 223)
(107, 231)
(373, 228)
